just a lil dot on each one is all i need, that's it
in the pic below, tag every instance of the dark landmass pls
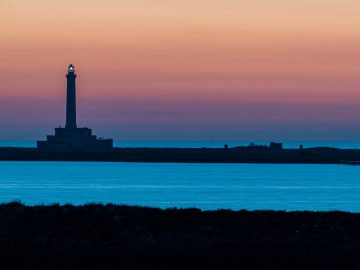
(123, 237)
(316, 155)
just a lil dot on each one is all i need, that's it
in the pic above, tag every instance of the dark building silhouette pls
(276, 146)
(71, 138)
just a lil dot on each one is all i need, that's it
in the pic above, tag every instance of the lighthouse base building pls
(71, 138)
(74, 140)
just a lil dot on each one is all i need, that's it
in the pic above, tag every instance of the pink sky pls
(183, 70)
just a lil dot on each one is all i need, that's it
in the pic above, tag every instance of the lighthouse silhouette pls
(71, 98)
(71, 138)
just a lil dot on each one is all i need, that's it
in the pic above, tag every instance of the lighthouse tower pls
(71, 98)
(71, 138)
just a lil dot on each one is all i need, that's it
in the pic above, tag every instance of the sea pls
(286, 187)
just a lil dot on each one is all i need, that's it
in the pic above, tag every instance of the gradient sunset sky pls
(183, 70)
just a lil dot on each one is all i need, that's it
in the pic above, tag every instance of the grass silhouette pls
(96, 236)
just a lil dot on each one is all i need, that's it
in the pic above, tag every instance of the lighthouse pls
(71, 138)
(71, 98)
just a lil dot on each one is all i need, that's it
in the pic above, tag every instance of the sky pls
(190, 70)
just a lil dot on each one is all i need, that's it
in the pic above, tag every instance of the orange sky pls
(192, 50)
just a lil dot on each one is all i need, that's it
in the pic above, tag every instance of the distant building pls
(276, 146)
(71, 138)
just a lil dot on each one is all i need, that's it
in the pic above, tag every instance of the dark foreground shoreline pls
(122, 237)
(257, 154)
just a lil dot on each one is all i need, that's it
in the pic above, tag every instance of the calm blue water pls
(206, 186)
